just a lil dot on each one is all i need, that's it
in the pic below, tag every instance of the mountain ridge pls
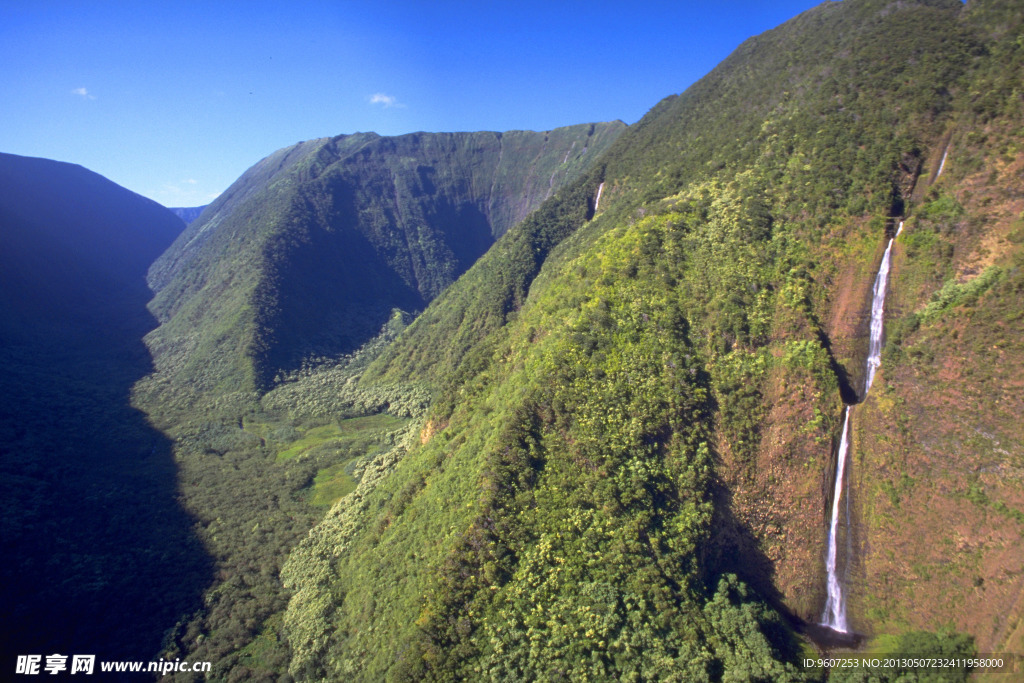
(606, 448)
(408, 213)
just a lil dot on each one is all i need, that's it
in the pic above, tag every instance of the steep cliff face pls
(636, 402)
(941, 448)
(935, 506)
(312, 249)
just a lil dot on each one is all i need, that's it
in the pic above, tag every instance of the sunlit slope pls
(637, 400)
(831, 109)
(311, 250)
(939, 498)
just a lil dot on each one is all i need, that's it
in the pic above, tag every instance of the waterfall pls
(877, 318)
(942, 163)
(834, 616)
(597, 201)
(835, 607)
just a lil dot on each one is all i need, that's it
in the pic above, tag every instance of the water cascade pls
(942, 164)
(878, 317)
(834, 616)
(835, 607)
(597, 201)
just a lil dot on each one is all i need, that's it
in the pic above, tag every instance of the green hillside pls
(552, 406)
(623, 472)
(271, 305)
(308, 254)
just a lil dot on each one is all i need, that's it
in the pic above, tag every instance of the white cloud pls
(84, 93)
(191, 181)
(387, 100)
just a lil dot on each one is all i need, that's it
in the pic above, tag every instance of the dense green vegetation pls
(258, 479)
(587, 370)
(584, 460)
(268, 291)
(601, 449)
(276, 270)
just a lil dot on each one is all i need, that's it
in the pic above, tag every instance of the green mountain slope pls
(635, 399)
(290, 283)
(311, 250)
(91, 522)
(942, 438)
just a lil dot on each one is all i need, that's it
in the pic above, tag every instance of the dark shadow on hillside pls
(326, 309)
(846, 390)
(99, 558)
(735, 550)
(336, 288)
(827, 640)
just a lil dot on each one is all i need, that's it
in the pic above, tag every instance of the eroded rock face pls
(939, 489)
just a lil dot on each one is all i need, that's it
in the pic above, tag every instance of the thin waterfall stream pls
(834, 616)
(835, 607)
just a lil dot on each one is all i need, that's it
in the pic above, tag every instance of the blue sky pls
(175, 100)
